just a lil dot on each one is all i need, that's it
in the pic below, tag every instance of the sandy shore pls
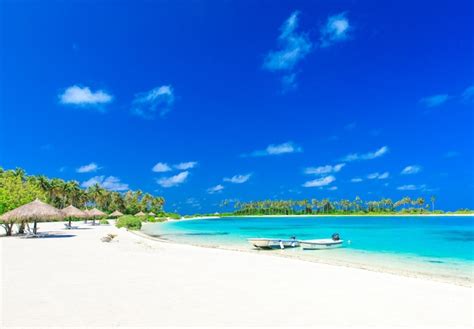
(74, 279)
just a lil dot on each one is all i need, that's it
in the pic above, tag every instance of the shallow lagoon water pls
(439, 247)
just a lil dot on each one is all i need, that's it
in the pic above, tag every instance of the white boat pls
(265, 243)
(320, 244)
(317, 244)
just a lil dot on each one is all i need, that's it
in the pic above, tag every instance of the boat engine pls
(335, 237)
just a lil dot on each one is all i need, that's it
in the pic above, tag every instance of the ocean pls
(437, 247)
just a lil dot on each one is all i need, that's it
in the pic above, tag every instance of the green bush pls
(104, 221)
(130, 222)
(149, 219)
(173, 215)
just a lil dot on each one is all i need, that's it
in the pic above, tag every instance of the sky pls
(201, 101)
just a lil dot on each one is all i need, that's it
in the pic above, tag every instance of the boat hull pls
(320, 245)
(273, 243)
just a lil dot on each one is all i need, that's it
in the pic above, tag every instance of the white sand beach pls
(74, 279)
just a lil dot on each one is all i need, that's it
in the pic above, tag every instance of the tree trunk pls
(8, 228)
(21, 228)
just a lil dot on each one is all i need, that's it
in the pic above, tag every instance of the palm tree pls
(433, 199)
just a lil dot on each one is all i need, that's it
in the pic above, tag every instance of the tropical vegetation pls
(326, 206)
(17, 188)
(129, 222)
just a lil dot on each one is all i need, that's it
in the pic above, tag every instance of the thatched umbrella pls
(152, 214)
(140, 214)
(95, 213)
(35, 211)
(73, 212)
(116, 213)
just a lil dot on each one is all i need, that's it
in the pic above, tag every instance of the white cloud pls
(377, 175)
(356, 180)
(323, 181)
(293, 46)
(161, 167)
(186, 165)
(322, 170)
(435, 100)
(238, 179)
(160, 99)
(83, 96)
(385, 175)
(173, 180)
(468, 95)
(109, 183)
(277, 149)
(366, 156)
(410, 170)
(411, 187)
(332, 188)
(91, 167)
(335, 30)
(215, 189)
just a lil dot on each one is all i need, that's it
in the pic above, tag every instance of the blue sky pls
(201, 101)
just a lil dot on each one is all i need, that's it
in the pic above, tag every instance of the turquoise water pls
(441, 247)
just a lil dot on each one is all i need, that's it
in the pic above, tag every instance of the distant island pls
(17, 188)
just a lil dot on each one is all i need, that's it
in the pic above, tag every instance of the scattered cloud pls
(193, 202)
(356, 180)
(377, 175)
(319, 182)
(215, 189)
(84, 97)
(322, 170)
(238, 179)
(410, 170)
(468, 95)
(435, 100)
(411, 187)
(366, 156)
(164, 167)
(277, 149)
(332, 188)
(451, 154)
(173, 180)
(186, 165)
(293, 46)
(336, 29)
(91, 167)
(110, 183)
(158, 100)
(161, 167)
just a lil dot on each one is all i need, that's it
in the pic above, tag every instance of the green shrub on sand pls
(104, 221)
(130, 222)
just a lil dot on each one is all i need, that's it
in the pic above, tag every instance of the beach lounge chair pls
(31, 234)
